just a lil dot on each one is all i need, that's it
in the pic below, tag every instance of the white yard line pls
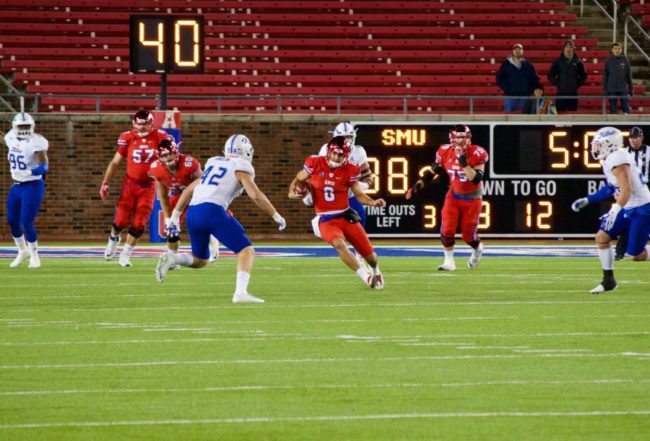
(316, 360)
(396, 416)
(253, 388)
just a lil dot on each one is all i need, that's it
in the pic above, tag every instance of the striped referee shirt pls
(642, 159)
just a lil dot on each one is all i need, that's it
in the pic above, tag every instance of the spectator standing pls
(567, 74)
(518, 79)
(617, 80)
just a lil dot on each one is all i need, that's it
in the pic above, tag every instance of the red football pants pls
(353, 233)
(461, 211)
(136, 203)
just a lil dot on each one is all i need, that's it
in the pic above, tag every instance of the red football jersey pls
(176, 183)
(330, 185)
(140, 152)
(446, 157)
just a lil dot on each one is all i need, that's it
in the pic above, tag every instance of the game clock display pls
(166, 43)
(535, 171)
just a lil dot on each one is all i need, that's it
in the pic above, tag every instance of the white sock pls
(606, 257)
(20, 242)
(449, 254)
(182, 259)
(214, 243)
(361, 272)
(242, 281)
(647, 253)
(33, 246)
(127, 250)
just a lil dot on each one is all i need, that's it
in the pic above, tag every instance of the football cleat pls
(125, 261)
(475, 257)
(111, 248)
(377, 280)
(447, 265)
(34, 261)
(244, 297)
(605, 285)
(163, 265)
(23, 255)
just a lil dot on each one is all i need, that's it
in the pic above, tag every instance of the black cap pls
(636, 132)
(569, 43)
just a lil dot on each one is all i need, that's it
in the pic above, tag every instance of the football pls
(302, 188)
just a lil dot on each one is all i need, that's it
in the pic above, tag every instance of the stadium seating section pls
(309, 56)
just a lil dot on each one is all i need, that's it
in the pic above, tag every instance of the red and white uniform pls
(138, 192)
(463, 200)
(330, 188)
(186, 172)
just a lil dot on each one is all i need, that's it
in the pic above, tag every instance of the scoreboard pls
(166, 43)
(535, 171)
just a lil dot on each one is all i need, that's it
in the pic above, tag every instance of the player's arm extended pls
(112, 167)
(256, 195)
(429, 176)
(164, 199)
(364, 198)
(301, 176)
(367, 178)
(184, 200)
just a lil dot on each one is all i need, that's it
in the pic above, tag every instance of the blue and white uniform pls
(208, 210)
(635, 215)
(26, 193)
(358, 156)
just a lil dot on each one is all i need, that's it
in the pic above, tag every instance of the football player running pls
(140, 148)
(464, 163)
(173, 172)
(331, 177)
(630, 212)
(28, 164)
(359, 157)
(224, 179)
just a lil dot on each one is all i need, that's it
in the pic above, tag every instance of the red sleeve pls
(354, 173)
(479, 156)
(123, 143)
(154, 169)
(310, 164)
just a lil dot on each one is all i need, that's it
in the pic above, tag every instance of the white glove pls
(610, 217)
(168, 222)
(176, 217)
(280, 221)
(308, 200)
(579, 204)
(22, 174)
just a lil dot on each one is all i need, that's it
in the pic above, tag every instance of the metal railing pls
(339, 104)
(613, 19)
(626, 35)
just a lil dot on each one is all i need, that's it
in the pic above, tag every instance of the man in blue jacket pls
(518, 79)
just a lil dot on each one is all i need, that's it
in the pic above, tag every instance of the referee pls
(641, 154)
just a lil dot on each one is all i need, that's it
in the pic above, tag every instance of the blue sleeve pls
(40, 170)
(605, 192)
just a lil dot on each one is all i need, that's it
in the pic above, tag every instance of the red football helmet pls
(337, 147)
(460, 136)
(168, 153)
(143, 123)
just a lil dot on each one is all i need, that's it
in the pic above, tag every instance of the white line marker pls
(210, 389)
(395, 416)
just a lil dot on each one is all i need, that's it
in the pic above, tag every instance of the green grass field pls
(515, 350)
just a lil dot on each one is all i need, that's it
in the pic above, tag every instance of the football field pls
(515, 350)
